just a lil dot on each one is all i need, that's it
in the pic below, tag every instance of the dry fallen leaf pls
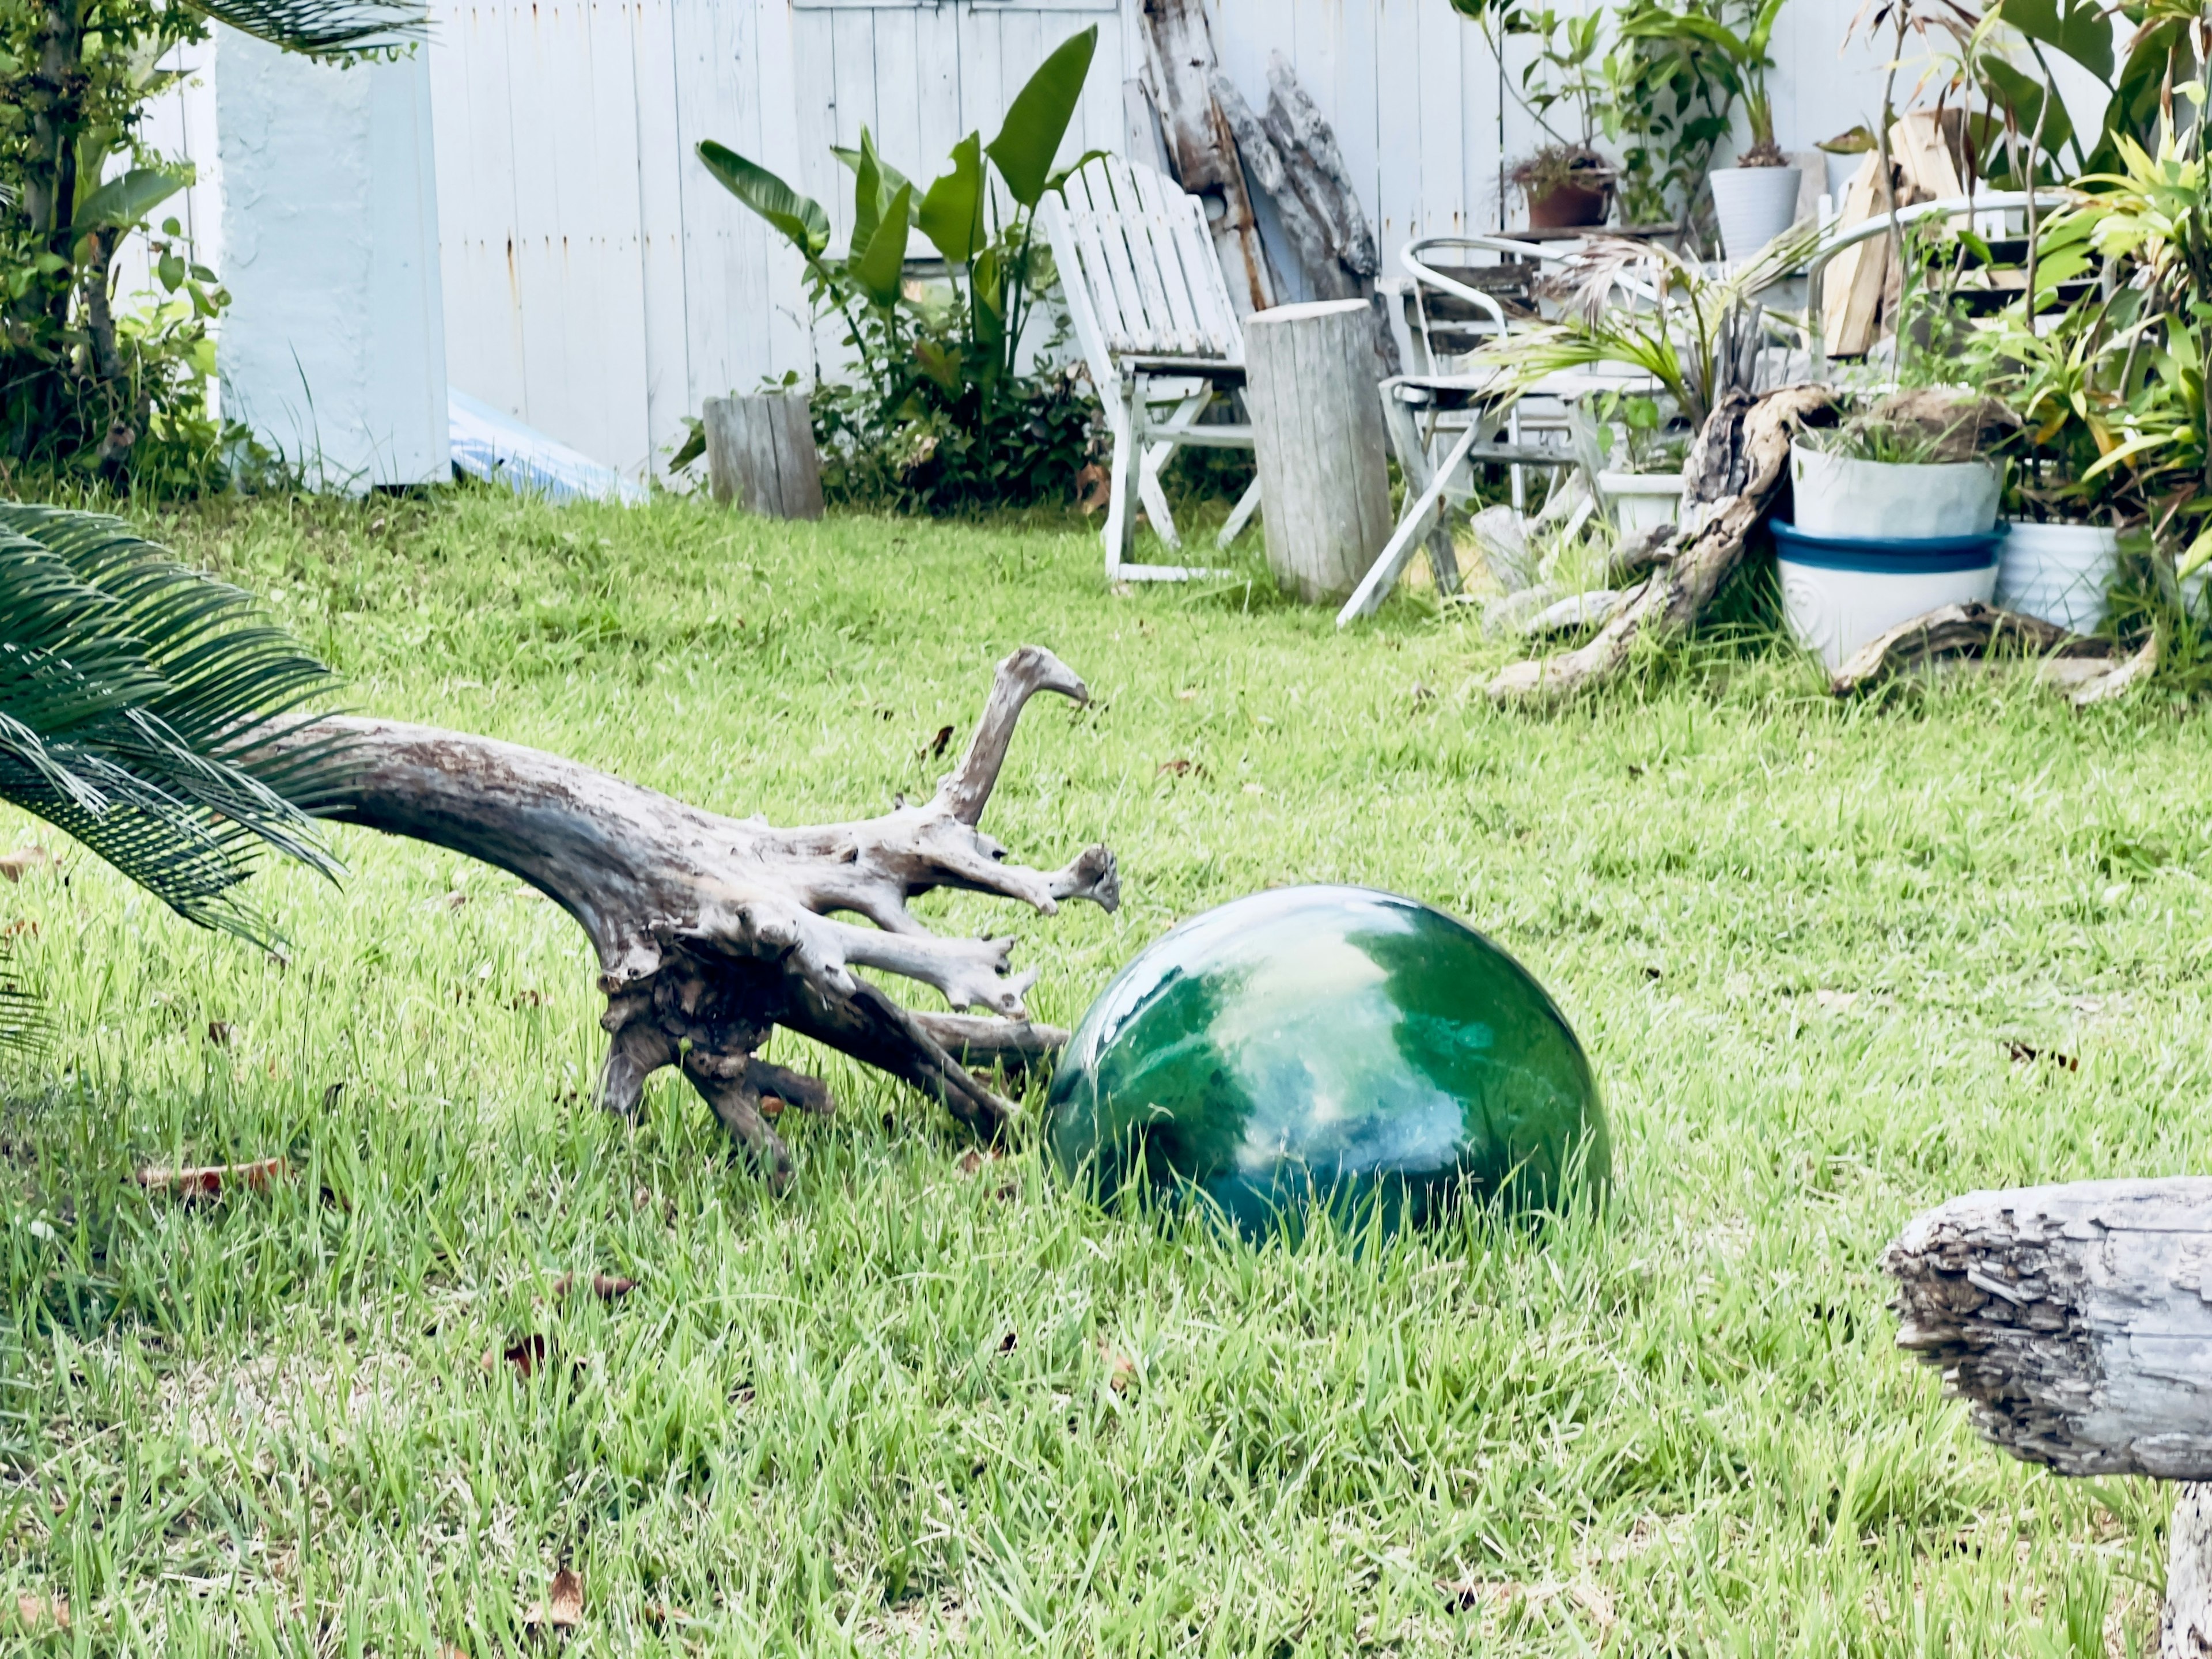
(208, 1181)
(1121, 1370)
(606, 1286)
(1186, 694)
(563, 1606)
(2025, 1054)
(20, 863)
(526, 998)
(456, 899)
(528, 892)
(1093, 488)
(37, 1612)
(21, 924)
(527, 1356)
(1178, 767)
(937, 744)
(221, 1032)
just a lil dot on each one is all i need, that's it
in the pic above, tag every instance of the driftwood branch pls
(1737, 469)
(711, 931)
(1179, 63)
(1954, 633)
(2076, 1323)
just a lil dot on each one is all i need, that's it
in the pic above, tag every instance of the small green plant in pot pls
(1567, 183)
(1756, 200)
(941, 416)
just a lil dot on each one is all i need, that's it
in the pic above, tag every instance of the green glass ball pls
(1330, 1044)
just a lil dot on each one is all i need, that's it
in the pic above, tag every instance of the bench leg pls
(1119, 521)
(1247, 505)
(1414, 463)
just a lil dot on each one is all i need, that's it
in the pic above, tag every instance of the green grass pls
(910, 1406)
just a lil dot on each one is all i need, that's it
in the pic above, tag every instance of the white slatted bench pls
(1152, 316)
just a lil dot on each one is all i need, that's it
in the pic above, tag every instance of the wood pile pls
(1860, 288)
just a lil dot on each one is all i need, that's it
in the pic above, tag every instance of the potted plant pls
(1567, 183)
(1755, 200)
(1642, 308)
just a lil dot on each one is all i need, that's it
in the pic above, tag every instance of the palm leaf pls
(326, 28)
(154, 715)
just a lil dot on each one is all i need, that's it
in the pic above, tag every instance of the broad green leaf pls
(880, 267)
(123, 201)
(1037, 119)
(800, 218)
(951, 215)
(887, 177)
(2079, 28)
(2022, 95)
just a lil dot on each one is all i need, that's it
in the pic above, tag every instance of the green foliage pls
(941, 418)
(83, 387)
(144, 708)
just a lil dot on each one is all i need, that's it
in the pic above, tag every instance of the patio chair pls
(1443, 417)
(1955, 207)
(1152, 316)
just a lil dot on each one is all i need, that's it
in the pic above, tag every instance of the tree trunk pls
(710, 932)
(1737, 470)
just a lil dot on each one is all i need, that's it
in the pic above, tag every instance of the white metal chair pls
(1837, 240)
(1443, 417)
(1152, 315)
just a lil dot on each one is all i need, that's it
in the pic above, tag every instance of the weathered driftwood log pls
(711, 931)
(1951, 632)
(1737, 467)
(1179, 63)
(2076, 1323)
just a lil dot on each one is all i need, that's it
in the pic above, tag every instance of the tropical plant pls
(80, 385)
(1670, 98)
(152, 713)
(942, 390)
(1736, 49)
(1641, 306)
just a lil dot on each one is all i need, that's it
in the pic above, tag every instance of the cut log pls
(711, 931)
(761, 454)
(1736, 470)
(2076, 1323)
(1179, 63)
(1954, 632)
(1317, 429)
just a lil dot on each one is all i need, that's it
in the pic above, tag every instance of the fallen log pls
(2076, 1323)
(1954, 632)
(711, 931)
(1737, 470)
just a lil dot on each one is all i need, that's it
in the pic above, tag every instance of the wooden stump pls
(760, 454)
(1317, 426)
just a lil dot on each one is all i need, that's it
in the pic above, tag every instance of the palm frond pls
(326, 28)
(152, 713)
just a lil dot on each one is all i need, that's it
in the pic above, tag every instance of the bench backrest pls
(1138, 266)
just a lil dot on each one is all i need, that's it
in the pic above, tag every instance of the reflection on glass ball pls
(1330, 1044)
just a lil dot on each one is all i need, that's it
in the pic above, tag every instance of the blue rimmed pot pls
(1837, 591)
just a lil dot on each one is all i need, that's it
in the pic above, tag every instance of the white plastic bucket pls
(1834, 612)
(1877, 500)
(2058, 572)
(1754, 206)
(1641, 501)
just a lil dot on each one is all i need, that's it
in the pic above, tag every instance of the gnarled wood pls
(2076, 1323)
(711, 931)
(1737, 468)
(1951, 633)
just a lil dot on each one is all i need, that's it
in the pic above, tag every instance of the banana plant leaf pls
(1037, 120)
(123, 201)
(800, 218)
(951, 215)
(880, 267)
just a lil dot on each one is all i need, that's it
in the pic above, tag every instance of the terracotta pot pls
(1569, 207)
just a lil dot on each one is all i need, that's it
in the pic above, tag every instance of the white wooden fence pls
(600, 285)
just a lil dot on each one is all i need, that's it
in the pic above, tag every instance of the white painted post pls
(333, 351)
(1317, 426)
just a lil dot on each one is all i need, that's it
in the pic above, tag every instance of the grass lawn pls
(911, 1407)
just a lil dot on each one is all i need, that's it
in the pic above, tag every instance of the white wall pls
(333, 350)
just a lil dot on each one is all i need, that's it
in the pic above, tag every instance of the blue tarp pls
(490, 444)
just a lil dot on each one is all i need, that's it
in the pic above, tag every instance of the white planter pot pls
(1877, 500)
(1834, 612)
(1754, 204)
(1641, 501)
(2058, 572)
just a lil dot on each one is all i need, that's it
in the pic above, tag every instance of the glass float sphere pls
(1333, 1043)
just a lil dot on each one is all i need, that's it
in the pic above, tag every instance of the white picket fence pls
(600, 285)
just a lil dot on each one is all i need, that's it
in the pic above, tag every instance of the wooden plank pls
(729, 257)
(1163, 322)
(1398, 135)
(1447, 134)
(898, 95)
(610, 337)
(660, 165)
(938, 70)
(1851, 286)
(485, 315)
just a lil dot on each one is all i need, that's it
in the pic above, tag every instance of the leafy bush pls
(942, 417)
(82, 388)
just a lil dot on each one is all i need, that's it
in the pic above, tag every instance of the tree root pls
(711, 931)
